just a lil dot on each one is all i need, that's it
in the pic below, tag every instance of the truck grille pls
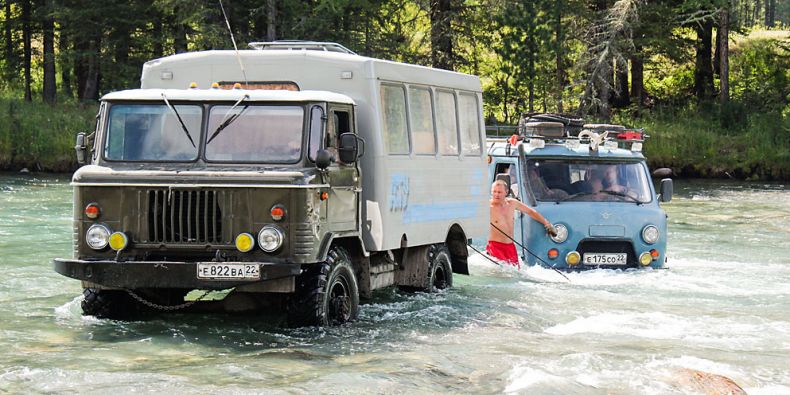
(184, 216)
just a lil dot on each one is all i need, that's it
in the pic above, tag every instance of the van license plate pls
(228, 271)
(605, 259)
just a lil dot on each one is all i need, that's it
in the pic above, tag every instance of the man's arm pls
(534, 214)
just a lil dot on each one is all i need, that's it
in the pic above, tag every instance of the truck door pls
(343, 178)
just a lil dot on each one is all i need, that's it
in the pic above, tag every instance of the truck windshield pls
(261, 134)
(560, 181)
(151, 132)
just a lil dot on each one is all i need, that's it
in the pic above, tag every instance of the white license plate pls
(228, 271)
(605, 259)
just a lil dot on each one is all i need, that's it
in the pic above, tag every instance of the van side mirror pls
(323, 158)
(662, 172)
(79, 148)
(666, 190)
(349, 147)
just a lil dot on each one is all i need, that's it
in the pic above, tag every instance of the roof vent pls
(297, 45)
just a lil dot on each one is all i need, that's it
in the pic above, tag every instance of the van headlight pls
(97, 236)
(650, 234)
(562, 233)
(270, 238)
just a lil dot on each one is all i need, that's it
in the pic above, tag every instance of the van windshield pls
(152, 132)
(261, 134)
(591, 181)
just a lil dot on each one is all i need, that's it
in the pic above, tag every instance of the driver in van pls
(500, 237)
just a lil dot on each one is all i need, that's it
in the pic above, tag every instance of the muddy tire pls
(110, 304)
(440, 271)
(326, 293)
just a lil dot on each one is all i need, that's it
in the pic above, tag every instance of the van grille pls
(184, 216)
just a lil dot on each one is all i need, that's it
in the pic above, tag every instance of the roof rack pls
(300, 45)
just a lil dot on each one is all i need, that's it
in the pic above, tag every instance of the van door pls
(343, 178)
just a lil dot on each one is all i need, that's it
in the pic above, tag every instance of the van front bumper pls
(159, 274)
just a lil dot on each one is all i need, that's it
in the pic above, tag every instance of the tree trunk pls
(638, 78)
(10, 57)
(770, 13)
(441, 34)
(65, 66)
(717, 52)
(91, 89)
(26, 43)
(271, 20)
(622, 98)
(724, 75)
(159, 48)
(559, 42)
(48, 30)
(703, 69)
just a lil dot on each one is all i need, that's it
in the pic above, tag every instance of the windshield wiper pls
(621, 194)
(181, 121)
(229, 119)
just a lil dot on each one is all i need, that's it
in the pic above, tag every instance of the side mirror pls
(666, 190)
(662, 172)
(348, 148)
(323, 159)
(79, 148)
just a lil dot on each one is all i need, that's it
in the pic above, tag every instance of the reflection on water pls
(723, 306)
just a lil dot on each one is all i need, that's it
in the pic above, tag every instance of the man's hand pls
(550, 229)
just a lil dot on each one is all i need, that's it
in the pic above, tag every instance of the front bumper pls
(158, 274)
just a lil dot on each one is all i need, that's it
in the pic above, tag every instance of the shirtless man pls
(501, 246)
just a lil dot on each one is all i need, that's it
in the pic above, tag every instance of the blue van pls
(593, 185)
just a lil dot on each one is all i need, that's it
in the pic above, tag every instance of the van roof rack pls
(301, 45)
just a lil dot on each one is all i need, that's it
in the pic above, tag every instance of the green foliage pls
(39, 136)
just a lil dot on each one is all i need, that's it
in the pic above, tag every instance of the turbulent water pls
(722, 307)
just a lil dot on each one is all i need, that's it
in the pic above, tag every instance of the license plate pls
(605, 259)
(228, 271)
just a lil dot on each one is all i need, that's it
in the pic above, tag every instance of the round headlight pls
(97, 236)
(270, 238)
(573, 258)
(650, 234)
(118, 241)
(244, 242)
(562, 233)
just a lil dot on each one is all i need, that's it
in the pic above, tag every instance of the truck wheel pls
(440, 272)
(111, 304)
(326, 293)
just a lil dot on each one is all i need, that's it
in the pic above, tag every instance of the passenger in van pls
(500, 236)
(605, 179)
(541, 190)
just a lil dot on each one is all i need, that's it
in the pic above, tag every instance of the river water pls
(722, 307)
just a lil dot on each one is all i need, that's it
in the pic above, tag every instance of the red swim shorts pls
(503, 251)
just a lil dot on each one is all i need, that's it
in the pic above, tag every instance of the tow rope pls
(527, 250)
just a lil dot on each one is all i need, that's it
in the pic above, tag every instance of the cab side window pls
(339, 123)
(316, 130)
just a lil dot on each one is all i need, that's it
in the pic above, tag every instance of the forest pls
(707, 79)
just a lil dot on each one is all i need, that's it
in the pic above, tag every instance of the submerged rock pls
(706, 383)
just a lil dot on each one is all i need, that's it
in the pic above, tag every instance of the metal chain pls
(164, 307)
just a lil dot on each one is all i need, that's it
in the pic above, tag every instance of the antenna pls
(227, 23)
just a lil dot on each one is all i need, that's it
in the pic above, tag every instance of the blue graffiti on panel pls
(399, 192)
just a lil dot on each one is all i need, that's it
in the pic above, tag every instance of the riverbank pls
(40, 138)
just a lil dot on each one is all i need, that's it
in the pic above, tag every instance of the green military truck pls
(304, 179)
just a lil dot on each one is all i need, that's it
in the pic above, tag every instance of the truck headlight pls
(97, 236)
(562, 233)
(270, 238)
(650, 234)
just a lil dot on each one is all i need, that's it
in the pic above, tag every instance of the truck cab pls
(594, 186)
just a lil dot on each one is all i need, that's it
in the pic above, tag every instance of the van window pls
(446, 123)
(421, 113)
(469, 123)
(316, 126)
(393, 113)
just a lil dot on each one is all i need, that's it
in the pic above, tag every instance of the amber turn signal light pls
(553, 253)
(323, 195)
